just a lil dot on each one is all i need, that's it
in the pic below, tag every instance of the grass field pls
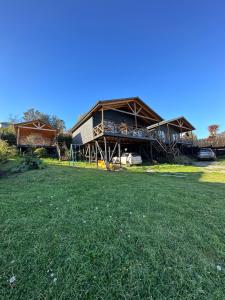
(147, 233)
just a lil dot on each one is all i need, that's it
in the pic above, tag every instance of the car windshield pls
(135, 154)
(205, 151)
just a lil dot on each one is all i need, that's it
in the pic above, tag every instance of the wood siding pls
(117, 117)
(84, 133)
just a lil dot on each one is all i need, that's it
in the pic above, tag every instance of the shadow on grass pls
(165, 171)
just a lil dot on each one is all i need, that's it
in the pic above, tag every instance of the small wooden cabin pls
(37, 133)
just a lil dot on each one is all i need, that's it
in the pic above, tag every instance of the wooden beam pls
(128, 113)
(100, 150)
(34, 128)
(114, 149)
(135, 114)
(105, 144)
(102, 116)
(18, 136)
(119, 151)
(96, 150)
(131, 108)
(189, 129)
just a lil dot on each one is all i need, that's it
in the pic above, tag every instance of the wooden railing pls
(215, 142)
(109, 127)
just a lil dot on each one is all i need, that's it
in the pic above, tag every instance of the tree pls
(33, 114)
(8, 134)
(213, 130)
(14, 119)
(57, 123)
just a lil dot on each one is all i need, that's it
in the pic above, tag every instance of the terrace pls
(123, 130)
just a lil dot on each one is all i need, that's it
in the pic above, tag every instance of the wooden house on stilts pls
(127, 124)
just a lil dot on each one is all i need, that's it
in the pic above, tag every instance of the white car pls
(129, 159)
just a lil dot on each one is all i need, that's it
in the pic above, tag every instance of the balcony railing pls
(108, 127)
(216, 142)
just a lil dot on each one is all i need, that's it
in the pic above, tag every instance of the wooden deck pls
(122, 130)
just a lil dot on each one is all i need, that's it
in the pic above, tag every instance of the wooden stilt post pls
(106, 154)
(105, 145)
(119, 151)
(96, 153)
(151, 156)
(89, 148)
(109, 153)
(18, 136)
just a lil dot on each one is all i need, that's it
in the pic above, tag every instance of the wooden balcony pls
(122, 129)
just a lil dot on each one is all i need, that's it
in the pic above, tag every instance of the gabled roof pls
(176, 122)
(118, 101)
(35, 124)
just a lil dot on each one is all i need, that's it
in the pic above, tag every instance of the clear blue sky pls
(61, 56)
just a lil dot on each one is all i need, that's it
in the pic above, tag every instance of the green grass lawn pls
(82, 233)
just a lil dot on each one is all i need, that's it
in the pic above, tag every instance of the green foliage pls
(29, 162)
(54, 121)
(40, 152)
(183, 160)
(8, 134)
(65, 138)
(6, 151)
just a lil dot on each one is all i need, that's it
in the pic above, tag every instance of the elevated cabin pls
(37, 133)
(177, 130)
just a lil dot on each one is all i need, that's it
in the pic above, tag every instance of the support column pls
(18, 136)
(119, 151)
(96, 153)
(151, 156)
(89, 148)
(106, 156)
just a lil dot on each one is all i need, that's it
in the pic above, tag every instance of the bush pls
(65, 138)
(8, 134)
(40, 152)
(5, 151)
(183, 160)
(29, 162)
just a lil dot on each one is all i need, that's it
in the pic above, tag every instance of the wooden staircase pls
(168, 149)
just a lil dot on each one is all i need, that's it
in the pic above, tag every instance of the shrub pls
(183, 160)
(65, 138)
(29, 162)
(5, 151)
(8, 134)
(40, 152)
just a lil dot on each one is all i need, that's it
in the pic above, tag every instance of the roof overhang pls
(180, 122)
(35, 125)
